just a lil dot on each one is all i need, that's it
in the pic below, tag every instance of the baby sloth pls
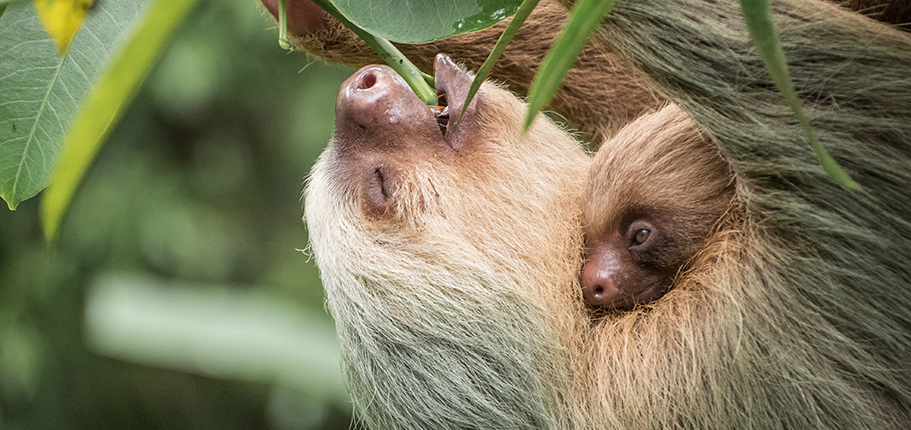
(655, 191)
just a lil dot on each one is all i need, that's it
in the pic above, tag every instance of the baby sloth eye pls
(641, 236)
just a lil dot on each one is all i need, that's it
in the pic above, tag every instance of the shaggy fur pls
(459, 308)
(664, 163)
(799, 317)
(613, 90)
(463, 311)
(895, 12)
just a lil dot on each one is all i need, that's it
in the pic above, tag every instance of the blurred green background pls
(180, 294)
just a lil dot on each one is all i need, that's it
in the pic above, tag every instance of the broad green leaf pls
(517, 20)
(108, 98)
(419, 21)
(40, 92)
(583, 20)
(758, 16)
(62, 18)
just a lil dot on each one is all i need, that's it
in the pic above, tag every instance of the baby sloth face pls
(654, 193)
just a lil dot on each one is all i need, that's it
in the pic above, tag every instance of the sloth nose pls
(598, 286)
(376, 107)
(372, 88)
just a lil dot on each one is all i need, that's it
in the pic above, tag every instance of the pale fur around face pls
(451, 309)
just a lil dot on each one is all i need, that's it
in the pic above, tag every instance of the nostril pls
(367, 81)
(599, 290)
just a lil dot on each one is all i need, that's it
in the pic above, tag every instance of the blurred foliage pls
(215, 331)
(199, 185)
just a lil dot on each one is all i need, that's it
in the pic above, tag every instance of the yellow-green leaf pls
(106, 102)
(62, 19)
(758, 17)
(583, 20)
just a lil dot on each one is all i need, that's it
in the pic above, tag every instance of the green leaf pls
(419, 21)
(40, 92)
(583, 20)
(107, 101)
(758, 16)
(517, 20)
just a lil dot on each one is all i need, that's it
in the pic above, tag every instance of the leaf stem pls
(583, 20)
(517, 20)
(283, 25)
(421, 83)
(758, 17)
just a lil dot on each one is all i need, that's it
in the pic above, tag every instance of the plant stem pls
(518, 19)
(421, 83)
(283, 25)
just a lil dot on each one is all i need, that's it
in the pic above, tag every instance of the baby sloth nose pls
(598, 286)
(376, 102)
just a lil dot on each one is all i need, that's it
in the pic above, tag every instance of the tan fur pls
(660, 173)
(662, 162)
(463, 311)
(468, 249)
(789, 317)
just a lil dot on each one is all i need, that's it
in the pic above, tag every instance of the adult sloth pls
(451, 258)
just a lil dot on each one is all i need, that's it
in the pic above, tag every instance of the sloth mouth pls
(645, 296)
(452, 86)
(441, 113)
(652, 292)
(629, 300)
